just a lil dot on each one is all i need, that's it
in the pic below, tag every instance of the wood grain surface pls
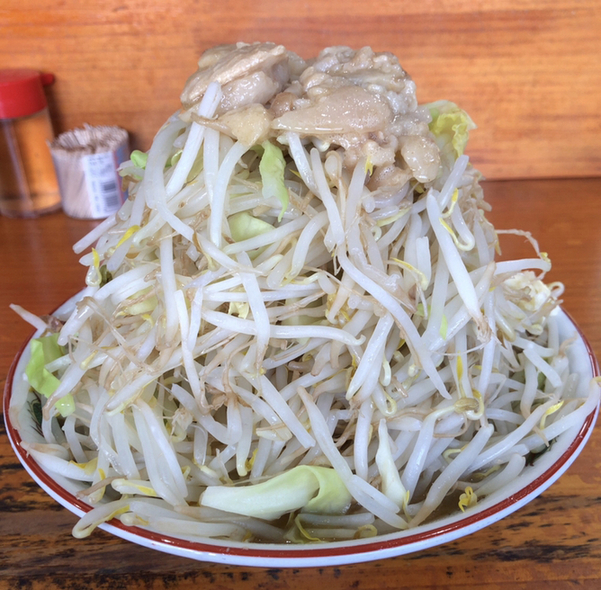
(552, 543)
(526, 70)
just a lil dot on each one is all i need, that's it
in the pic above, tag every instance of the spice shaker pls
(28, 185)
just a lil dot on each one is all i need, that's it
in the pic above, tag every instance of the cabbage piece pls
(313, 489)
(450, 126)
(139, 158)
(44, 350)
(272, 168)
(244, 226)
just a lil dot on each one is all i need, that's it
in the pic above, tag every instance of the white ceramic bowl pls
(530, 483)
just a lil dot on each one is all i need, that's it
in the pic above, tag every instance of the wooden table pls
(553, 543)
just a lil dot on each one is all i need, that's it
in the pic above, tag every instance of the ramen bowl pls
(22, 427)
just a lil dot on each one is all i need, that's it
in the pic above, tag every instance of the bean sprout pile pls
(291, 336)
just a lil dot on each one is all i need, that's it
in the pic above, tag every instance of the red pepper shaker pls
(28, 185)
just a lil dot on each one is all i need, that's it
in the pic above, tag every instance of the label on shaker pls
(103, 183)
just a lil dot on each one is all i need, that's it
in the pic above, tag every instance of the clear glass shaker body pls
(28, 185)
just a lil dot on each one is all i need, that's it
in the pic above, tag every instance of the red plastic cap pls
(22, 92)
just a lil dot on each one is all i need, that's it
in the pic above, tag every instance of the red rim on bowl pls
(310, 555)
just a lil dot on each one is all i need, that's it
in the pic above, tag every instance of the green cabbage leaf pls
(318, 490)
(451, 127)
(44, 350)
(271, 168)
